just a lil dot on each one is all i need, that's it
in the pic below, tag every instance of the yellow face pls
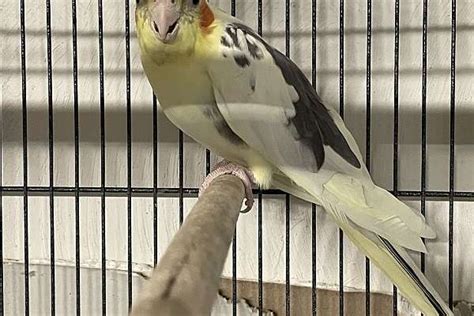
(167, 29)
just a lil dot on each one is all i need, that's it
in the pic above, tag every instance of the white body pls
(257, 93)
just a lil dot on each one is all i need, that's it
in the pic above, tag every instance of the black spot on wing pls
(232, 32)
(242, 61)
(225, 42)
(254, 50)
(312, 121)
(243, 54)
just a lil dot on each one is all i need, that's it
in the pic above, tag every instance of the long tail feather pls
(388, 256)
(400, 269)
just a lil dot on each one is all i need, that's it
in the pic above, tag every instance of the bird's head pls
(168, 28)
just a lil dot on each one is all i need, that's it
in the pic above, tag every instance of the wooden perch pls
(186, 280)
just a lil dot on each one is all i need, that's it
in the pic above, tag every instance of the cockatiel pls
(224, 86)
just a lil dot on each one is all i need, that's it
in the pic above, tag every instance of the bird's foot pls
(226, 167)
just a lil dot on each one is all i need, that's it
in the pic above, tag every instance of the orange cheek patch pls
(207, 17)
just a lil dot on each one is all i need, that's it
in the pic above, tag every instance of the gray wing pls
(268, 101)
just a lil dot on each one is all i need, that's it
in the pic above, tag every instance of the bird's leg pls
(226, 167)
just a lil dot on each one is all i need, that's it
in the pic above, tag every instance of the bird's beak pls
(165, 16)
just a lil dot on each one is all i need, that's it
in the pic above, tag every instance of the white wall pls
(274, 217)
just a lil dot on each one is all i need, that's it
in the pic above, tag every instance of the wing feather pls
(268, 102)
(260, 89)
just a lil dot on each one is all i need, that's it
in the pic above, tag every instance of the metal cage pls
(181, 192)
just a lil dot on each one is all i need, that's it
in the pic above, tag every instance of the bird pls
(223, 85)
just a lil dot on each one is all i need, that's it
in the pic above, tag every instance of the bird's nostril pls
(172, 27)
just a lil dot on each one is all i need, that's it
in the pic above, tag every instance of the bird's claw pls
(226, 167)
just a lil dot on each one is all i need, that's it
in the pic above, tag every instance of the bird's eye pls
(138, 2)
(193, 3)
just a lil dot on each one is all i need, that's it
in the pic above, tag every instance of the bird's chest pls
(187, 99)
(179, 84)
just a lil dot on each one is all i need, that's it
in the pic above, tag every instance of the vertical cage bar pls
(232, 7)
(234, 241)
(313, 42)
(452, 161)
(368, 134)
(260, 254)
(287, 196)
(51, 157)
(287, 260)
(76, 157)
(25, 157)
(208, 161)
(155, 180)
(341, 111)
(313, 206)
(2, 299)
(341, 272)
(129, 153)
(260, 206)
(287, 29)
(341, 58)
(423, 116)
(234, 274)
(102, 160)
(314, 306)
(395, 121)
(1, 220)
(181, 175)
